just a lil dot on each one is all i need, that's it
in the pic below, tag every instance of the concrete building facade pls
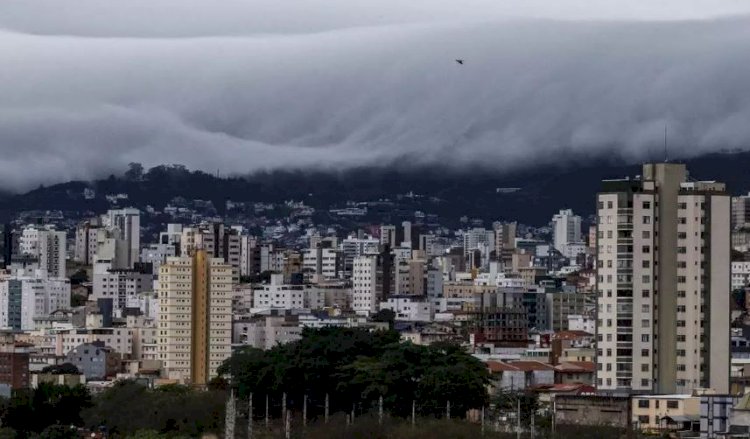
(663, 283)
(195, 300)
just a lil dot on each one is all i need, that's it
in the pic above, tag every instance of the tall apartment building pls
(366, 290)
(323, 262)
(121, 284)
(741, 212)
(218, 240)
(355, 247)
(278, 295)
(86, 241)
(566, 229)
(14, 363)
(195, 316)
(126, 227)
(476, 238)
(505, 237)
(47, 246)
(9, 241)
(157, 254)
(663, 261)
(249, 255)
(410, 277)
(389, 235)
(25, 296)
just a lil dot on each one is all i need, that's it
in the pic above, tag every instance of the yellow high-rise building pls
(195, 317)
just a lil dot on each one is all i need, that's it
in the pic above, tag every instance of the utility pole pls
(250, 417)
(353, 405)
(230, 417)
(326, 409)
(482, 420)
(448, 409)
(532, 425)
(413, 413)
(287, 426)
(304, 411)
(380, 410)
(554, 417)
(266, 411)
(283, 406)
(518, 418)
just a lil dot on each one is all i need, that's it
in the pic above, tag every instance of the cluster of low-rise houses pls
(630, 316)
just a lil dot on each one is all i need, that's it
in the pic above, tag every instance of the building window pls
(643, 404)
(671, 404)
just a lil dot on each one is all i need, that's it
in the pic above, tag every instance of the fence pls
(260, 414)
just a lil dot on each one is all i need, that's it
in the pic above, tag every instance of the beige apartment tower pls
(195, 318)
(663, 283)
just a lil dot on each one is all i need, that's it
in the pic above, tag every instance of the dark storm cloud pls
(84, 91)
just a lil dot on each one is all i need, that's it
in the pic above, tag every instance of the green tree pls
(145, 434)
(134, 172)
(58, 431)
(34, 410)
(173, 410)
(359, 366)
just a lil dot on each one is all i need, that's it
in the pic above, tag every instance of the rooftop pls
(672, 396)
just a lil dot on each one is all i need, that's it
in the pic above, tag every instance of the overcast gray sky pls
(268, 84)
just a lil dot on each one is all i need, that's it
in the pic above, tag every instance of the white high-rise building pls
(48, 246)
(86, 241)
(120, 284)
(355, 247)
(741, 212)
(28, 295)
(478, 239)
(195, 317)
(157, 254)
(218, 240)
(278, 295)
(663, 273)
(323, 259)
(366, 292)
(125, 225)
(566, 229)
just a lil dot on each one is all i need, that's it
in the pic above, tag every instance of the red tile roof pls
(569, 335)
(564, 388)
(528, 366)
(499, 366)
(576, 366)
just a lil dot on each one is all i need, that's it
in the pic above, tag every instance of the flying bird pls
(460, 61)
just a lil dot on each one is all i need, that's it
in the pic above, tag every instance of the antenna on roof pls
(666, 156)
